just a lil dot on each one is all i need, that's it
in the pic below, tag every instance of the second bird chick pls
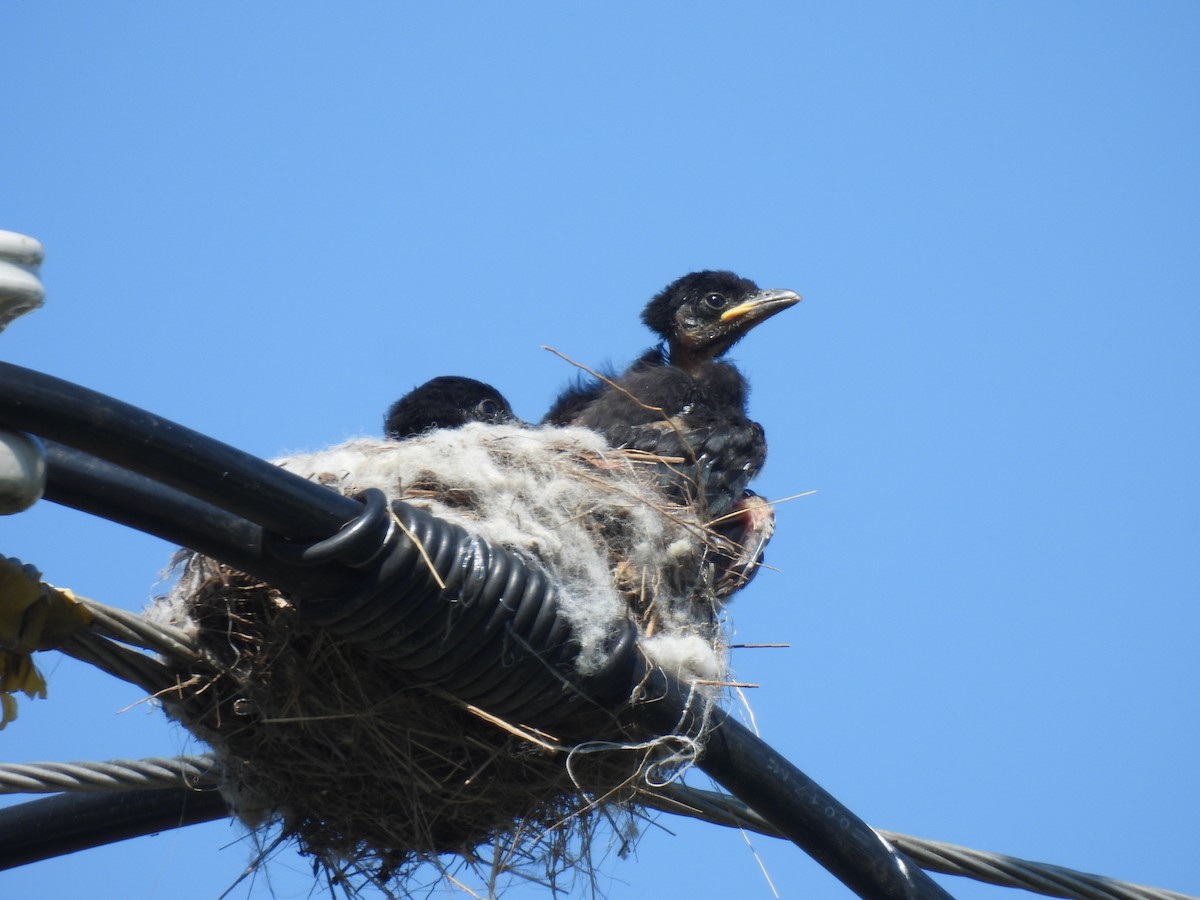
(448, 401)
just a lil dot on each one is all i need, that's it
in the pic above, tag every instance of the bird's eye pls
(488, 408)
(715, 301)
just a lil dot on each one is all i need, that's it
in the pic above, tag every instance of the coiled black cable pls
(433, 611)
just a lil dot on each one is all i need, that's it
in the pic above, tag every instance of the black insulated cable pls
(357, 544)
(795, 805)
(429, 599)
(109, 491)
(67, 823)
(170, 453)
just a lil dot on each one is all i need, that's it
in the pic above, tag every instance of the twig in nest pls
(646, 406)
(738, 512)
(420, 549)
(612, 384)
(522, 733)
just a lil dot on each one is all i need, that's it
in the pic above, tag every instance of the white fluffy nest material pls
(372, 773)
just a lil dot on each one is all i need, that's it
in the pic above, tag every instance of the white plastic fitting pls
(22, 471)
(20, 289)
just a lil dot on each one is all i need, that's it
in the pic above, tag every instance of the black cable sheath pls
(799, 808)
(170, 453)
(105, 489)
(93, 485)
(66, 823)
(364, 611)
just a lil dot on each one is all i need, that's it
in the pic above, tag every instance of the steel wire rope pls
(1047, 879)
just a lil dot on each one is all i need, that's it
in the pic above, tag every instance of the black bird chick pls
(678, 401)
(448, 401)
(701, 315)
(695, 421)
(698, 318)
(706, 449)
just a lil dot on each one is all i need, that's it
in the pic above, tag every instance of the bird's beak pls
(760, 306)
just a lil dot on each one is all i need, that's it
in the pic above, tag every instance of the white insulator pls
(20, 289)
(22, 471)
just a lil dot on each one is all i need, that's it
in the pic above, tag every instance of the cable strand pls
(999, 869)
(111, 775)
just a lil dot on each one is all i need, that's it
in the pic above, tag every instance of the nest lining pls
(373, 773)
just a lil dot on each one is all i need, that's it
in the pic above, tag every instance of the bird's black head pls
(447, 401)
(701, 315)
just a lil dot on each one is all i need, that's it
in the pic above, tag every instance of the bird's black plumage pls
(695, 419)
(448, 401)
(706, 451)
(680, 402)
(679, 399)
(697, 318)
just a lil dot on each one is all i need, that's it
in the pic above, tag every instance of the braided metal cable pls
(120, 662)
(112, 775)
(203, 770)
(936, 856)
(132, 628)
(1010, 871)
(102, 643)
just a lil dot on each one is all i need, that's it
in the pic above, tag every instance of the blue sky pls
(267, 221)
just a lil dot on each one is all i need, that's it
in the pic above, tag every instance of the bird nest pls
(374, 774)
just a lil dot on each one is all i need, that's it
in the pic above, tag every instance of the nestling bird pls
(679, 401)
(707, 451)
(695, 421)
(448, 401)
(698, 318)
